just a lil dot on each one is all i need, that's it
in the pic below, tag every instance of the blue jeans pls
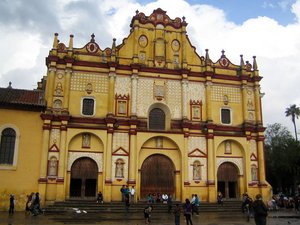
(177, 220)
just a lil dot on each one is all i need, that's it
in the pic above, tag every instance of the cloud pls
(27, 29)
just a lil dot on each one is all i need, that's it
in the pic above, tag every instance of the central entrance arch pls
(157, 175)
(228, 180)
(84, 174)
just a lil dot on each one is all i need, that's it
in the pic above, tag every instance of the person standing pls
(260, 211)
(11, 204)
(177, 212)
(122, 190)
(188, 212)
(127, 204)
(170, 203)
(132, 193)
(220, 198)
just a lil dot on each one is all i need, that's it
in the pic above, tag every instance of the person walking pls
(260, 211)
(188, 212)
(11, 204)
(147, 213)
(177, 212)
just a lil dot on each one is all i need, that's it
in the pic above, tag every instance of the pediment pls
(54, 148)
(197, 153)
(121, 152)
(253, 157)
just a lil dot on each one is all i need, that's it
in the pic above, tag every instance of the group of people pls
(282, 201)
(33, 204)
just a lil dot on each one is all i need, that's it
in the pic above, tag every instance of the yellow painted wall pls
(26, 172)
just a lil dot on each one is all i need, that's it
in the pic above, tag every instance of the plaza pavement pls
(282, 217)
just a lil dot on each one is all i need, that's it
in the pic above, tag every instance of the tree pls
(282, 154)
(294, 112)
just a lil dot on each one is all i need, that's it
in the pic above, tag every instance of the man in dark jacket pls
(260, 211)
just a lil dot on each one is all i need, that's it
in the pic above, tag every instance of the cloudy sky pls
(268, 29)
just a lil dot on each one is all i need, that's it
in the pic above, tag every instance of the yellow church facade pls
(149, 113)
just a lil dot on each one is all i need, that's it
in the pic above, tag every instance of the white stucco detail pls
(97, 157)
(123, 85)
(236, 161)
(197, 92)
(197, 142)
(120, 140)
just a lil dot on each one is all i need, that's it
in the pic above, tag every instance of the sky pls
(269, 30)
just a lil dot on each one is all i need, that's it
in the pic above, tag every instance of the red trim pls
(125, 153)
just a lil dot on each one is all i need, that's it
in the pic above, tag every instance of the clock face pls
(224, 62)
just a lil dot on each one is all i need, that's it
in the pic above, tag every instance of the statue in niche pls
(89, 88)
(196, 112)
(196, 170)
(119, 168)
(122, 107)
(159, 142)
(58, 89)
(250, 104)
(86, 140)
(254, 173)
(57, 104)
(227, 147)
(52, 167)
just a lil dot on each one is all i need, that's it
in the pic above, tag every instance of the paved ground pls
(19, 218)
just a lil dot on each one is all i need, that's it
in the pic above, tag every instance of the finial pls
(242, 64)
(183, 18)
(136, 12)
(93, 37)
(9, 85)
(71, 42)
(223, 55)
(114, 46)
(207, 59)
(254, 63)
(56, 41)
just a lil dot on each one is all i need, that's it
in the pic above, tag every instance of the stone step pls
(69, 206)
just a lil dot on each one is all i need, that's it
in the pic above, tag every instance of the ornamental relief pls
(123, 85)
(97, 157)
(173, 98)
(55, 137)
(120, 140)
(253, 147)
(233, 94)
(196, 92)
(237, 161)
(99, 82)
(197, 143)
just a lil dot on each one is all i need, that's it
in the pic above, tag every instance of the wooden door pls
(228, 180)
(84, 174)
(157, 176)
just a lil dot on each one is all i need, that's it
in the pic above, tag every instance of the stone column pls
(208, 85)
(257, 104)
(67, 87)
(184, 85)
(44, 160)
(185, 169)
(212, 194)
(50, 86)
(108, 163)
(245, 102)
(61, 183)
(134, 91)
(111, 91)
(132, 157)
(261, 161)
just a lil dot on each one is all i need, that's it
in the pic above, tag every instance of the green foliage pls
(282, 154)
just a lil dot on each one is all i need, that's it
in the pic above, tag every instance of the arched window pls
(7, 146)
(157, 119)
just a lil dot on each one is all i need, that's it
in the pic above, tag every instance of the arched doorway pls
(157, 176)
(228, 180)
(84, 174)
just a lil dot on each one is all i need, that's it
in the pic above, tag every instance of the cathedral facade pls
(149, 113)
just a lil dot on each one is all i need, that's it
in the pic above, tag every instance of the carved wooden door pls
(84, 174)
(157, 176)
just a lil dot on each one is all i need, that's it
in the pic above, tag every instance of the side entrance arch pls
(228, 180)
(84, 174)
(157, 176)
